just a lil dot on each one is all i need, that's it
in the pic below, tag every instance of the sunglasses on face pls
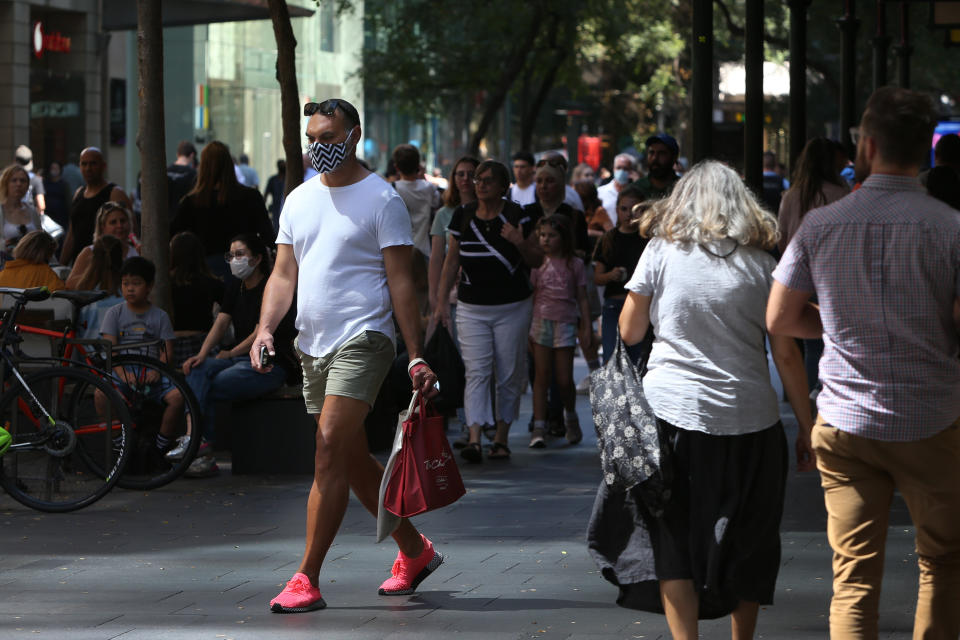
(329, 108)
(486, 182)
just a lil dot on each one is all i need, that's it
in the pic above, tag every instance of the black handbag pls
(444, 358)
(632, 451)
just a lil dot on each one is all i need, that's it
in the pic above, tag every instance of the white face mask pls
(242, 268)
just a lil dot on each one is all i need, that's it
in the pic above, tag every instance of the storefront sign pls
(49, 109)
(56, 42)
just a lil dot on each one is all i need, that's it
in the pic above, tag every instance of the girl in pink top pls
(560, 315)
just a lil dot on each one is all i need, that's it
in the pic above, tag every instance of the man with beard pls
(662, 152)
(884, 263)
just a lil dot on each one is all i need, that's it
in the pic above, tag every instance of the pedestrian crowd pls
(847, 275)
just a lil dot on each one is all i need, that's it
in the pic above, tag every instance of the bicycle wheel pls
(160, 401)
(76, 456)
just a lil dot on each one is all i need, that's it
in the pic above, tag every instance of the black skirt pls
(720, 529)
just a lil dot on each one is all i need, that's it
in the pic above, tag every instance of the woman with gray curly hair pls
(703, 282)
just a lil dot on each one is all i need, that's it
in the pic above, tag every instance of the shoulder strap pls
(469, 213)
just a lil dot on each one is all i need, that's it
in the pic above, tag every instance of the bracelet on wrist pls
(414, 363)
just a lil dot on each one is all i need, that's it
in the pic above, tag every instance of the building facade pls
(69, 79)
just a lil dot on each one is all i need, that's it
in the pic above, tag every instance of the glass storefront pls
(57, 87)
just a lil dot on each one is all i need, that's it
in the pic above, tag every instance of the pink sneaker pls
(298, 596)
(410, 572)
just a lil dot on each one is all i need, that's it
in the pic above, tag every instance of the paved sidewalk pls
(202, 558)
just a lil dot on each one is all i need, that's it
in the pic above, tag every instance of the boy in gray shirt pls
(135, 320)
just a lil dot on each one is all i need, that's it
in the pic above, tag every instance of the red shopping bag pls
(425, 476)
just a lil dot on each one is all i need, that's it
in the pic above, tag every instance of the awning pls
(120, 15)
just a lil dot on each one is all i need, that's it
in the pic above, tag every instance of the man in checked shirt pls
(884, 263)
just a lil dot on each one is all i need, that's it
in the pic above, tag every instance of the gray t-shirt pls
(128, 327)
(708, 366)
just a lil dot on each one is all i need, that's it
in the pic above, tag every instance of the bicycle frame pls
(8, 337)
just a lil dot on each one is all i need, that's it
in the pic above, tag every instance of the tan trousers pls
(859, 476)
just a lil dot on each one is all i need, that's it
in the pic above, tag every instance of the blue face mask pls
(327, 157)
(621, 176)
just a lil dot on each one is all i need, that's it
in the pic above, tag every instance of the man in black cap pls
(662, 152)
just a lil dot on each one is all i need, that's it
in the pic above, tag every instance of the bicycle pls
(66, 451)
(144, 382)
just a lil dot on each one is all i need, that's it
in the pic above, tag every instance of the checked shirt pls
(884, 263)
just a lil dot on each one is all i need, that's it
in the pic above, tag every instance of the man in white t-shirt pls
(623, 165)
(421, 197)
(523, 191)
(344, 246)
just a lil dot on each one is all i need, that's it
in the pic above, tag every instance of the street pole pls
(702, 83)
(848, 24)
(753, 107)
(903, 48)
(881, 45)
(798, 78)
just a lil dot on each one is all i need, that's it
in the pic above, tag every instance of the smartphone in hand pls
(266, 359)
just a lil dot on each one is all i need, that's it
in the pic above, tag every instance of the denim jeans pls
(216, 380)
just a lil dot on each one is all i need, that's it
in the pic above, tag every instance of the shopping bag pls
(388, 522)
(425, 476)
(632, 452)
(444, 358)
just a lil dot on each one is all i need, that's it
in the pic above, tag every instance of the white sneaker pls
(583, 387)
(202, 467)
(178, 451)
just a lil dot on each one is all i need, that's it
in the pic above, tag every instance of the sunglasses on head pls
(553, 162)
(329, 108)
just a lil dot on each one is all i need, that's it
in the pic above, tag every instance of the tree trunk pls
(496, 98)
(529, 119)
(151, 137)
(289, 93)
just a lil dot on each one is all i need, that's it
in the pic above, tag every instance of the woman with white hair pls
(703, 282)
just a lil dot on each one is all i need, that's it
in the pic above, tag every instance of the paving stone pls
(202, 559)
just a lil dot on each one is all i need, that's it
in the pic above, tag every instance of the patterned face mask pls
(328, 157)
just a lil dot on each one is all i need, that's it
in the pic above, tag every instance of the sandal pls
(498, 452)
(472, 452)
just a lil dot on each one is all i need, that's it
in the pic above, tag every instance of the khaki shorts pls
(355, 370)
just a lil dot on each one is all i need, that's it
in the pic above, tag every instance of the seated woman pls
(112, 219)
(228, 375)
(30, 266)
(196, 294)
(101, 274)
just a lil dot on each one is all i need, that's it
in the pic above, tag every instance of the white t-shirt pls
(421, 199)
(524, 196)
(337, 235)
(608, 198)
(708, 365)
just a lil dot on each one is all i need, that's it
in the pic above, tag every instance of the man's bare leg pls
(342, 461)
